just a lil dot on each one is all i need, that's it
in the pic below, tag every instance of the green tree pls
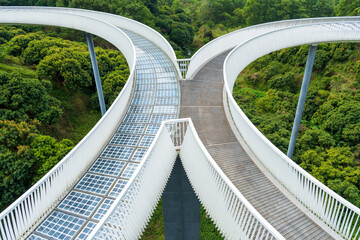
(340, 118)
(182, 34)
(113, 84)
(346, 189)
(22, 99)
(135, 9)
(8, 32)
(321, 59)
(283, 82)
(19, 43)
(318, 8)
(47, 152)
(314, 139)
(348, 8)
(38, 49)
(261, 11)
(68, 67)
(16, 162)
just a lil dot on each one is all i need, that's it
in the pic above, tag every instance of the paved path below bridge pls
(201, 99)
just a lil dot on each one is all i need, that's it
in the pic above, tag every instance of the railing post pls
(96, 72)
(302, 98)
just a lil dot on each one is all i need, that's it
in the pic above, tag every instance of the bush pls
(321, 59)
(23, 99)
(284, 82)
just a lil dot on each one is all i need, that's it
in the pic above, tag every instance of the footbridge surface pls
(108, 186)
(202, 100)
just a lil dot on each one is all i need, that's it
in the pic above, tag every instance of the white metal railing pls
(119, 21)
(183, 66)
(231, 40)
(329, 207)
(235, 217)
(131, 211)
(233, 214)
(32, 206)
(177, 129)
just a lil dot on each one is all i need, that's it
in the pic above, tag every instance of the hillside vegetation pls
(35, 129)
(47, 102)
(328, 144)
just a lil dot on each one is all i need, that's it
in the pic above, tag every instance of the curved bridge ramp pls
(154, 100)
(202, 100)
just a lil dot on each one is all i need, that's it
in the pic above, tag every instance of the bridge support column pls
(302, 98)
(181, 208)
(96, 72)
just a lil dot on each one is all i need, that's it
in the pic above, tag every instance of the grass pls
(155, 227)
(24, 71)
(77, 119)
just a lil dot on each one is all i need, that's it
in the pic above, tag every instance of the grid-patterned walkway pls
(201, 99)
(155, 99)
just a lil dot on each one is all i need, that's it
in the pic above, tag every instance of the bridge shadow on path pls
(201, 99)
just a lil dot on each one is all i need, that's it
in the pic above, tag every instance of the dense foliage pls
(25, 156)
(188, 24)
(35, 70)
(328, 143)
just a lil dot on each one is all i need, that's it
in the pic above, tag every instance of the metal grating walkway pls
(202, 101)
(155, 99)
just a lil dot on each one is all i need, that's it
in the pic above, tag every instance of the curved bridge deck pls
(155, 99)
(202, 101)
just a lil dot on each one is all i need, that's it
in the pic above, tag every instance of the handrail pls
(234, 216)
(122, 22)
(125, 219)
(233, 39)
(35, 203)
(329, 207)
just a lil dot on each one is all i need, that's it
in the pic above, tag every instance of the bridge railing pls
(329, 207)
(183, 66)
(29, 209)
(231, 40)
(235, 217)
(177, 129)
(132, 209)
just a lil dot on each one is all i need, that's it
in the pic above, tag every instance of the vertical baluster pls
(344, 220)
(329, 209)
(323, 204)
(249, 225)
(2, 231)
(254, 229)
(14, 223)
(357, 233)
(335, 214)
(349, 225)
(352, 232)
(243, 221)
(9, 227)
(340, 218)
(19, 225)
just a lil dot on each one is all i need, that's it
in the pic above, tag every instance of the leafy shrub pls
(283, 82)
(321, 59)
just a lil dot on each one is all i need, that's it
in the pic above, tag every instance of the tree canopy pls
(328, 144)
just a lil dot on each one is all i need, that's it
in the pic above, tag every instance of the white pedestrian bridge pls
(108, 186)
